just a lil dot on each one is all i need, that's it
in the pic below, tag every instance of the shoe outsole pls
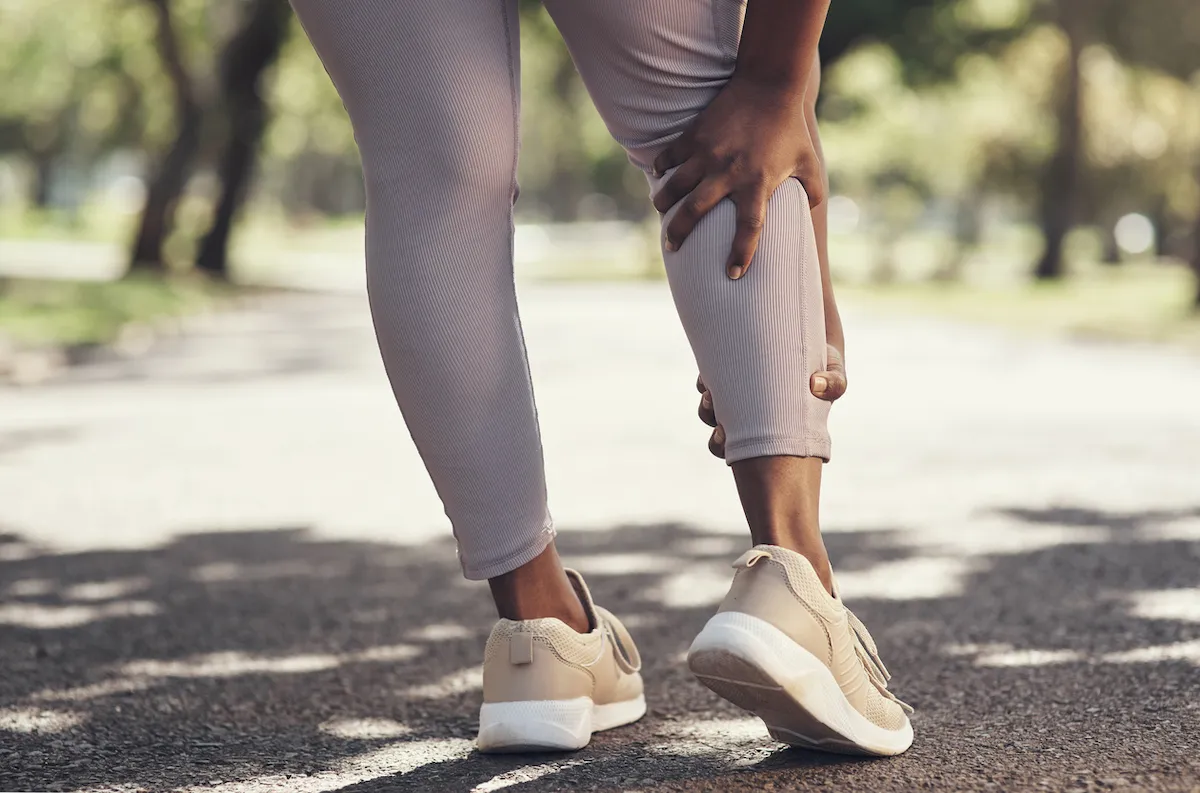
(550, 725)
(757, 667)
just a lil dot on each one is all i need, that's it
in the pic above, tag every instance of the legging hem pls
(513, 561)
(811, 446)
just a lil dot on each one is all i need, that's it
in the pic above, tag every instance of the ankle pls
(540, 589)
(815, 553)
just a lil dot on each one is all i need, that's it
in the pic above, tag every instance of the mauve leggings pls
(432, 91)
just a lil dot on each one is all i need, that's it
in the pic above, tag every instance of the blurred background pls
(1031, 162)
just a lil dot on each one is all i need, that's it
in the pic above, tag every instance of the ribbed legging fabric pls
(432, 89)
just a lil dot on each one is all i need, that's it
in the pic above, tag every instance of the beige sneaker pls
(547, 687)
(783, 649)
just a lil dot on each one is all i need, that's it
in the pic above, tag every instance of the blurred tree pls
(72, 89)
(1059, 193)
(244, 60)
(170, 176)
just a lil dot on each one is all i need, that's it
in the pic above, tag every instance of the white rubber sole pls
(551, 724)
(757, 667)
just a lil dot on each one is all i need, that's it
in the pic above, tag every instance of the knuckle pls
(751, 221)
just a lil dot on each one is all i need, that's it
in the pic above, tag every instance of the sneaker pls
(782, 648)
(546, 687)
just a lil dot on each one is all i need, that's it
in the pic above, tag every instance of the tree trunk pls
(43, 179)
(170, 178)
(1060, 179)
(248, 55)
(1195, 261)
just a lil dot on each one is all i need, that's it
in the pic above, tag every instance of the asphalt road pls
(222, 567)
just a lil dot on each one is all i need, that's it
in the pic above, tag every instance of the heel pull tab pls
(520, 648)
(750, 558)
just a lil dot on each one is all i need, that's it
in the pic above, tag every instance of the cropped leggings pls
(431, 87)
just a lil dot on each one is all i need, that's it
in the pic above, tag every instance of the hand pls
(750, 138)
(829, 385)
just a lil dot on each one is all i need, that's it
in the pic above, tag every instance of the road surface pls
(222, 567)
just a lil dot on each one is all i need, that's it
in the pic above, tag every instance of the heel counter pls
(762, 591)
(522, 666)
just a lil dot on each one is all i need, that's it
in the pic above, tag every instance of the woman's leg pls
(782, 645)
(651, 66)
(432, 91)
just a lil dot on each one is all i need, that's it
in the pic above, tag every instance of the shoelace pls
(868, 655)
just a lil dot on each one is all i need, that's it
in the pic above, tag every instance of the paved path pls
(222, 568)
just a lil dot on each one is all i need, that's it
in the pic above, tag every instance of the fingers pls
(828, 385)
(700, 384)
(704, 197)
(813, 181)
(682, 182)
(706, 412)
(675, 154)
(751, 217)
(716, 443)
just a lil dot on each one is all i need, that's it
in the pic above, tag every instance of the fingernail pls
(671, 246)
(735, 272)
(819, 384)
(706, 401)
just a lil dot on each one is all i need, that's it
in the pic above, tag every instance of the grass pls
(78, 313)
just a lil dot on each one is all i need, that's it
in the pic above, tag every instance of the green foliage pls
(62, 312)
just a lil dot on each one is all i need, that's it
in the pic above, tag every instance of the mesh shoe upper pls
(780, 586)
(545, 659)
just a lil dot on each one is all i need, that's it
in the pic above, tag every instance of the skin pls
(758, 131)
(780, 495)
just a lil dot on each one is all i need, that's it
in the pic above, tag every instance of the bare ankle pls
(781, 497)
(539, 589)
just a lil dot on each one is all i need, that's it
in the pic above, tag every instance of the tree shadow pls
(226, 657)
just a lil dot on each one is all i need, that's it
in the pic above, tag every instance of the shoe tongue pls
(585, 598)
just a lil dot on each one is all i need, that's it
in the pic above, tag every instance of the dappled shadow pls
(257, 655)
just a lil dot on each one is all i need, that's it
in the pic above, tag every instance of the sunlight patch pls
(520, 775)
(1181, 651)
(16, 552)
(1167, 604)
(385, 653)
(220, 572)
(35, 720)
(958, 650)
(700, 585)
(140, 675)
(365, 729)
(713, 737)
(623, 563)
(393, 760)
(459, 682)
(711, 546)
(439, 632)
(231, 664)
(31, 587)
(920, 578)
(106, 590)
(94, 691)
(1181, 530)
(41, 617)
(1012, 658)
